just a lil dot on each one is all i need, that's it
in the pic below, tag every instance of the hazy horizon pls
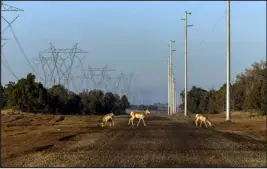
(134, 37)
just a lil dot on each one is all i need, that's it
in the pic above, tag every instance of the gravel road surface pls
(164, 142)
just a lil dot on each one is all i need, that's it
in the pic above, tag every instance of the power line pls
(23, 53)
(214, 27)
(9, 8)
(5, 7)
(9, 69)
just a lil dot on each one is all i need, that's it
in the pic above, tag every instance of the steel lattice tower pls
(57, 65)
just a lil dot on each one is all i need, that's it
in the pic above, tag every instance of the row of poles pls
(172, 94)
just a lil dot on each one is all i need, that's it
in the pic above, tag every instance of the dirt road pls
(164, 142)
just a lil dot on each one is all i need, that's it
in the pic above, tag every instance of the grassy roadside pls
(251, 125)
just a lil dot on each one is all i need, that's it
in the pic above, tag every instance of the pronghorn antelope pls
(106, 118)
(138, 115)
(202, 119)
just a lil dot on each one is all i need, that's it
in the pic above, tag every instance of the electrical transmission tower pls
(112, 83)
(124, 84)
(4, 42)
(97, 78)
(132, 89)
(6, 8)
(127, 84)
(57, 65)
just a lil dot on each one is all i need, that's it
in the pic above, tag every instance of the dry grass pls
(14, 112)
(27, 132)
(248, 124)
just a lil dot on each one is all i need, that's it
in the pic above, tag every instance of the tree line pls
(31, 96)
(248, 93)
(143, 107)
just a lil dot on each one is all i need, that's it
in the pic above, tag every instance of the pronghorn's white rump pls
(138, 115)
(106, 118)
(202, 118)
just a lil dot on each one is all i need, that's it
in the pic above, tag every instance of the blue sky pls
(134, 37)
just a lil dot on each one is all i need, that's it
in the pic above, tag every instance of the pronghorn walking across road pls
(138, 115)
(106, 118)
(202, 119)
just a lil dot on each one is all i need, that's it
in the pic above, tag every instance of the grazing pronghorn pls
(106, 118)
(138, 115)
(202, 119)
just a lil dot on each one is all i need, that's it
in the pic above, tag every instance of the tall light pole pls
(176, 100)
(174, 95)
(169, 89)
(185, 60)
(228, 113)
(171, 78)
(170, 81)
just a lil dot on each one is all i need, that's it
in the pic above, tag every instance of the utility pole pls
(174, 94)
(176, 101)
(169, 91)
(173, 101)
(1, 91)
(228, 113)
(185, 60)
(170, 82)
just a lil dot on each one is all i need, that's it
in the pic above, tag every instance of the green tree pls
(153, 107)
(117, 108)
(124, 103)
(3, 100)
(96, 99)
(72, 105)
(211, 102)
(9, 96)
(248, 93)
(58, 96)
(85, 102)
(26, 94)
(109, 103)
(61, 92)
